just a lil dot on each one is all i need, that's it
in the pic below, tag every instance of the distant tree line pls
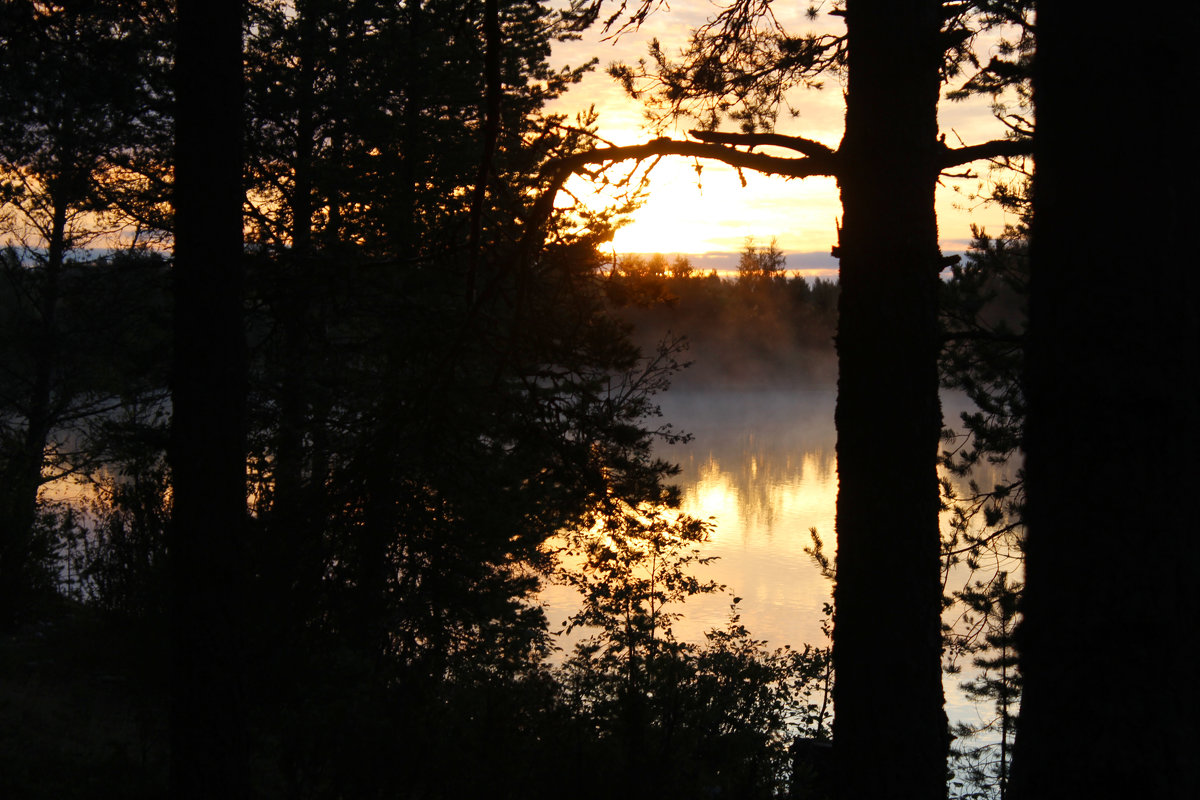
(761, 327)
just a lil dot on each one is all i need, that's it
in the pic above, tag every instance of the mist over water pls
(762, 467)
(758, 400)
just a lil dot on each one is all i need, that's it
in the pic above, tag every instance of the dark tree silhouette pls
(208, 440)
(887, 626)
(73, 108)
(888, 594)
(1108, 644)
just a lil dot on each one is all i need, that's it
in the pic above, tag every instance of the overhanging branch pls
(997, 148)
(805, 167)
(817, 163)
(809, 147)
(817, 160)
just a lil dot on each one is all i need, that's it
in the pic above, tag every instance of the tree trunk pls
(23, 473)
(1109, 706)
(292, 545)
(208, 449)
(890, 737)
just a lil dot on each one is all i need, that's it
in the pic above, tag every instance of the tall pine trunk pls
(208, 447)
(890, 737)
(290, 567)
(1110, 704)
(22, 474)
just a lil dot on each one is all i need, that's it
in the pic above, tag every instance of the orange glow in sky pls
(713, 212)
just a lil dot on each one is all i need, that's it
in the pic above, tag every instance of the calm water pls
(761, 467)
(762, 464)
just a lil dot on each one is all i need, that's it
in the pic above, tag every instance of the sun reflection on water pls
(761, 468)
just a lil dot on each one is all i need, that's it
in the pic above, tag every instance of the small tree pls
(681, 267)
(993, 617)
(758, 264)
(83, 109)
(681, 718)
(984, 321)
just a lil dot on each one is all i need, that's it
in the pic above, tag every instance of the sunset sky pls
(715, 214)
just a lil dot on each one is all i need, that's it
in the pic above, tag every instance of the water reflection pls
(761, 465)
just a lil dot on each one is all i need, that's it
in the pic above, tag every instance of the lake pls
(762, 464)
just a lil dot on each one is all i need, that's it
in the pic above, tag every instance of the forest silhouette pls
(760, 328)
(308, 374)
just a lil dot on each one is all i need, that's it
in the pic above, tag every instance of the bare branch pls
(997, 148)
(809, 147)
(806, 167)
(564, 168)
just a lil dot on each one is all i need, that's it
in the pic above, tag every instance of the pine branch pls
(805, 167)
(817, 160)
(562, 169)
(809, 147)
(997, 148)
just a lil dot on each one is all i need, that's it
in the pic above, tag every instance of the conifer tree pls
(208, 436)
(77, 107)
(738, 67)
(1109, 705)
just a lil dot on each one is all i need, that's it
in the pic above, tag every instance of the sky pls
(712, 215)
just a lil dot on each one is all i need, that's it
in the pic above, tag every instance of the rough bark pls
(890, 737)
(208, 454)
(1109, 706)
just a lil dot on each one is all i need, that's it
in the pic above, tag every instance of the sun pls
(679, 215)
(710, 210)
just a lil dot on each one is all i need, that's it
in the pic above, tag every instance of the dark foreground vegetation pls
(443, 680)
(275, 508)
(431, 406)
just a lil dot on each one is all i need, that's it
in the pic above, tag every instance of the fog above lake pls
(761, 468)
(762, 465)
